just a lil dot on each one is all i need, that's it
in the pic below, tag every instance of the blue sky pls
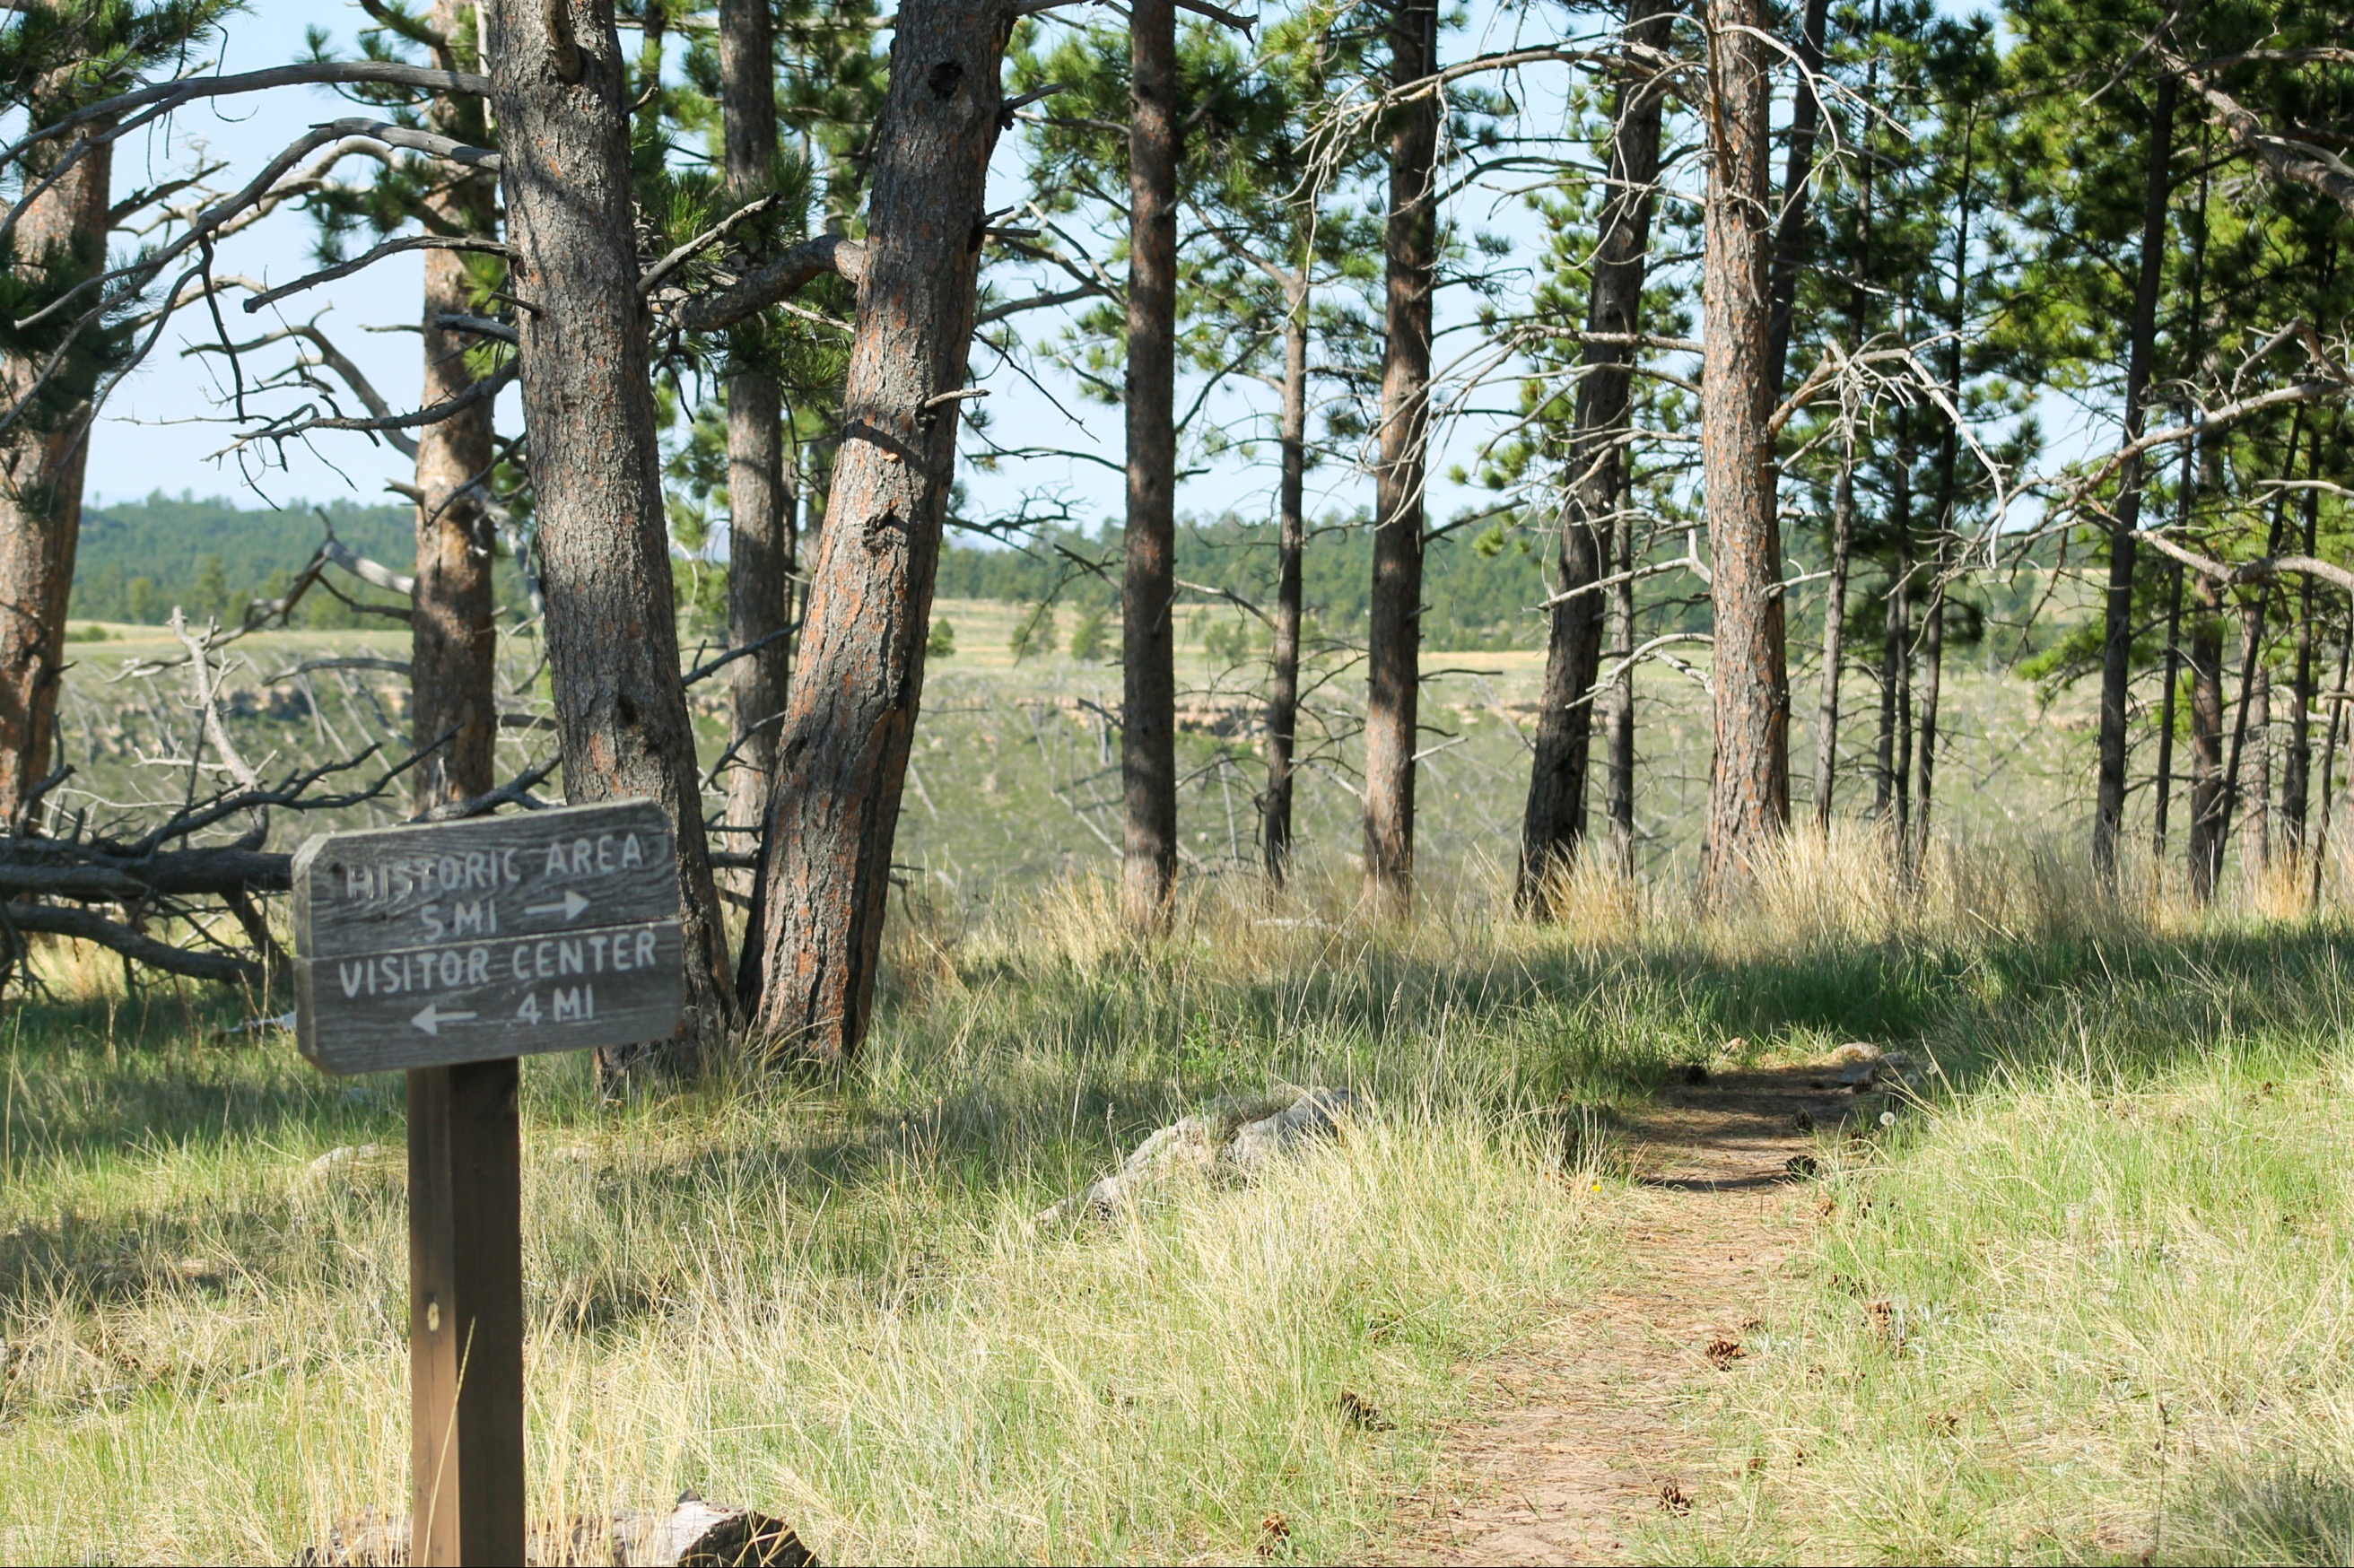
(167, 429)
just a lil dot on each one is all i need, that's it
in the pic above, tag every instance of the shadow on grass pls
(2286, 1514)
(1033, 1079)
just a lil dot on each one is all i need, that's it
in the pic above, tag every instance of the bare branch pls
(316, 73)
(2266, 570)
(389, 248)
(1217, 14)
(776, 282)
(366, 570)
(59, 920)
(2299, 163)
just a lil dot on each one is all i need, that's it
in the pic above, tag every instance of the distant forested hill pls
(137, 560)
(1478, 587)
(212, 557)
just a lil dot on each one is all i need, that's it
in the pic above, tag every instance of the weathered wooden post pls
(449, 951)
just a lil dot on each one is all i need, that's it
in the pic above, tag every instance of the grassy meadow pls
(2087, 1301)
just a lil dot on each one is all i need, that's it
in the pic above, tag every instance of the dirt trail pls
(1579, 1438)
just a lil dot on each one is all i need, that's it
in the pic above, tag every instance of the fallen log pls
(63, 920)
(63, 868)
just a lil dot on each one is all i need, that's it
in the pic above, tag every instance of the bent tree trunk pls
(842, 760)
(1553, 825)
(453, 642)
(1393, 637)
(1291, 543)
(2116, 631)
(1749, 775)
(63, 235)
(1148, 740)
(759, 506)
(558, 86)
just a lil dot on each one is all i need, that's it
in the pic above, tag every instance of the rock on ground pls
(1241, 1134)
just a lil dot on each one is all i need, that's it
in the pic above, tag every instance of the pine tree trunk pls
(1552, 824)
(1147, 751)
(1900, 520)
(1842, 543)
(1622, 701)
(41, 460)
(453, 635)
(842, 760)
(2116, 641)
(2330, 732)
(560, 94)
(2256, 781)
(1932, 639)
(1827, 709)
(1291, 542)
(2206, 739)
(1394, 635)
(1749, 774)
(1892, 782)
(1933, 662)
(759, 503)
(2165, 784)
(2297, 763)
(1791, 239)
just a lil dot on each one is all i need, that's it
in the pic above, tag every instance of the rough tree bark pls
(842, 760)
(41, 462)
(2319, 853)
(1843, 539)
(1394, 635)
(1826, 700)
(1894, 802)
(1147, 749)
(1620, 721)
(759, 504)
(2256, 782)
(2206, 738)
(2116, 641)
(1291, 545)
(1552, 824)
(2165, 780)
(2296, 762)
(1933, 634)
(1749, 775)
(453, 639)
(1790, 238)
(558, 91)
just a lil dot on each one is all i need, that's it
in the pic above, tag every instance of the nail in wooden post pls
(465, 1314)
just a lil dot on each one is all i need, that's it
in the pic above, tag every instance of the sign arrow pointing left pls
(431, 1019)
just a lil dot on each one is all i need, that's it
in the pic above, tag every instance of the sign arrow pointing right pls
(569, 908)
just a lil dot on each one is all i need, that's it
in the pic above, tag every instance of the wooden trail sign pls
(465, 942)
(450, 950)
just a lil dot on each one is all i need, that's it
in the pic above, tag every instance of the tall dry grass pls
(826, 1300)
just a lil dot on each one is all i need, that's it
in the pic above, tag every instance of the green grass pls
(2097, 1304)
(831, 1305)
(2113, 1249)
